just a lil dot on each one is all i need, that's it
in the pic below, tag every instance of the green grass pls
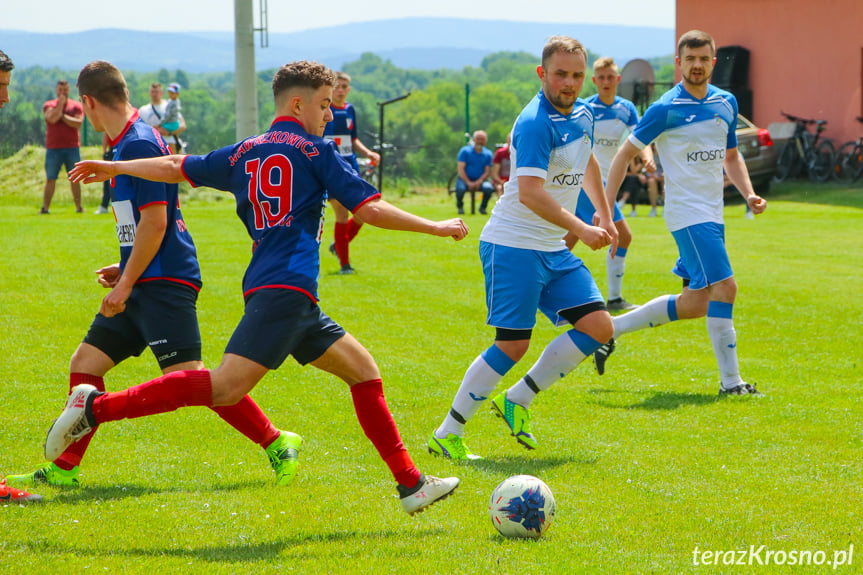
(645, 462)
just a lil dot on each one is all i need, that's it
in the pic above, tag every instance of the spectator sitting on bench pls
(474, 167)
(636, 181)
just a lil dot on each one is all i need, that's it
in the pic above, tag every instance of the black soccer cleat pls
(601, 355)
(742, 389)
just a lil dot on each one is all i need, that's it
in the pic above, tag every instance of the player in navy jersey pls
(280, 180)
(525, 259)
(693, 125)
(614, 118)
(154, 288)
(342, 130)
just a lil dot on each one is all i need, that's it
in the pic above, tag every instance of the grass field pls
(646, 463)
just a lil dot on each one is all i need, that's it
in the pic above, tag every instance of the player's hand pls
(612, 232)
(649, 166)
(109, 275)
(454, 228)
(375, 158)
(570, 239)
(115, 301)
(91, 171)
(594, 237)
(757, 204)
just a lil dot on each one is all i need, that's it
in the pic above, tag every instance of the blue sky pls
(291, 16)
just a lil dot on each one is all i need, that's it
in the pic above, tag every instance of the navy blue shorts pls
(282, 322)
(58, 157)
(160, 315)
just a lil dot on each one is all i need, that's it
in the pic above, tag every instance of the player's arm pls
(382, 214)
(54, 114)
(735, 169)
(495, 174)
(617, 170)
(166, 169)
(148, 238)
(649, 160)
(592, 186)
(73, 121)
(364, 150)
(532, 193)
(462, 174)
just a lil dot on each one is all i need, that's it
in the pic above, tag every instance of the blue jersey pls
(343, 131)
(691, 138)
(549, 145)
(279, 180)
(612, 123)
(475, 162)
(176, 259)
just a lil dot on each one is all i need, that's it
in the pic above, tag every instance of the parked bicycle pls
(805, 152)
(849, 160)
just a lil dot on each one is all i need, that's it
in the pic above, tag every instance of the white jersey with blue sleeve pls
(611, 125)
(691, 137)
(548, 145)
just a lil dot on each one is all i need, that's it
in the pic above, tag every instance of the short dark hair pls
(103, 81)
(156, 85)
(563, 44)
(63, 82)
(302, 74)
(695, 39)
(6, 64)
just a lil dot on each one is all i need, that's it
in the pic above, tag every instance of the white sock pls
(724, 340)
(559, 357)
(654, 313)
(614, 269)
(479, 381)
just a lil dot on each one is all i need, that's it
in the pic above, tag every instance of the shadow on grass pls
(661, 400)
(241, 552)
(87, 494)
(517, 465)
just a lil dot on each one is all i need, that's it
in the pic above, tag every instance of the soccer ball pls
(522, 506)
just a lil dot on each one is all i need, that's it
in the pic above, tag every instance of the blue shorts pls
(281, 322)
(60, 157)
(703, 258)
(160, 315)
(584, 210)
(518, 282)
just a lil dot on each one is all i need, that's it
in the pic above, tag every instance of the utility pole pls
(244, 70)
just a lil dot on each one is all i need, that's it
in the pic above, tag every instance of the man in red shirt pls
(63, 119)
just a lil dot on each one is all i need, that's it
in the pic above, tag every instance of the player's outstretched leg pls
(12, 495)
(428, 491)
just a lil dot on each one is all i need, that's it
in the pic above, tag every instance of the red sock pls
(72, 456)
(161, 395)
(247, 418)
(340, 237)
(377, 422)
(353, 228)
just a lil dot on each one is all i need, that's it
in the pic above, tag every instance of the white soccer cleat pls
(426, 493)
(74, 423)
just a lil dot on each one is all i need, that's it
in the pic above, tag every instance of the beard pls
(704, 78)
(561, 102)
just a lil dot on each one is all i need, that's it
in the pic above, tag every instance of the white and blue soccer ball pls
(522, 506)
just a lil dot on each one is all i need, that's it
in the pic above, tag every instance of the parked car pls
(759, 153)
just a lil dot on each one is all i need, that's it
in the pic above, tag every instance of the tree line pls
(423, 132)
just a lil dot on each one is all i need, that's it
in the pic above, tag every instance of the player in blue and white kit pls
(524, 254)
(693, 125)
(280, 180)
(154, 288)
(614, 118)
(342, 130)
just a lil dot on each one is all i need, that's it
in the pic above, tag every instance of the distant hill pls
(421, 43)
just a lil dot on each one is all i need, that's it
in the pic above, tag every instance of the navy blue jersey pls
(176, 259)
(343, 131)
(279, 180)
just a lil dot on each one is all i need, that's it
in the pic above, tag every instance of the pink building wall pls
(806, 56)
